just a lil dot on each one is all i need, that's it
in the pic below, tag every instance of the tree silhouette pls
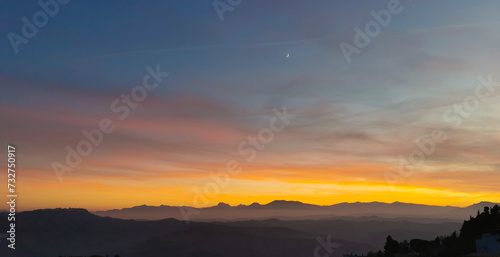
(391, 247)
(448, 246)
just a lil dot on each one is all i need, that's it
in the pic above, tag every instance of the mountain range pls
(77, 232)
(286, 210)
(279, 228)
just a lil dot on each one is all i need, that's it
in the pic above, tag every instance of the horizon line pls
(219, 203)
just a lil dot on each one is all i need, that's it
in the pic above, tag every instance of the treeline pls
(445, 246)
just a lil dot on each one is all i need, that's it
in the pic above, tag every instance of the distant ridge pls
(77, 232)
(296, 210)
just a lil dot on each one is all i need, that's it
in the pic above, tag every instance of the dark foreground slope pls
(77, 232)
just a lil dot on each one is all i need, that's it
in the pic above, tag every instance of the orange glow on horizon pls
(122, 194)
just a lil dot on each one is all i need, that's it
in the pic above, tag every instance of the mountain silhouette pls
(294, 210)
(78, 232)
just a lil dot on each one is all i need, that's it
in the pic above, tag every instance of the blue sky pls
(227, 76)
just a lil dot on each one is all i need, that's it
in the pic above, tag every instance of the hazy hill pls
(295, 210)
(78, 232)
(368, 230)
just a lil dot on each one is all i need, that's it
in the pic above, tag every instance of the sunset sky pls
(353, 122)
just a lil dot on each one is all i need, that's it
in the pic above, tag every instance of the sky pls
(408, 112)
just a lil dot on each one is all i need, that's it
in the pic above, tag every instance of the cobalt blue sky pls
(355, 122)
